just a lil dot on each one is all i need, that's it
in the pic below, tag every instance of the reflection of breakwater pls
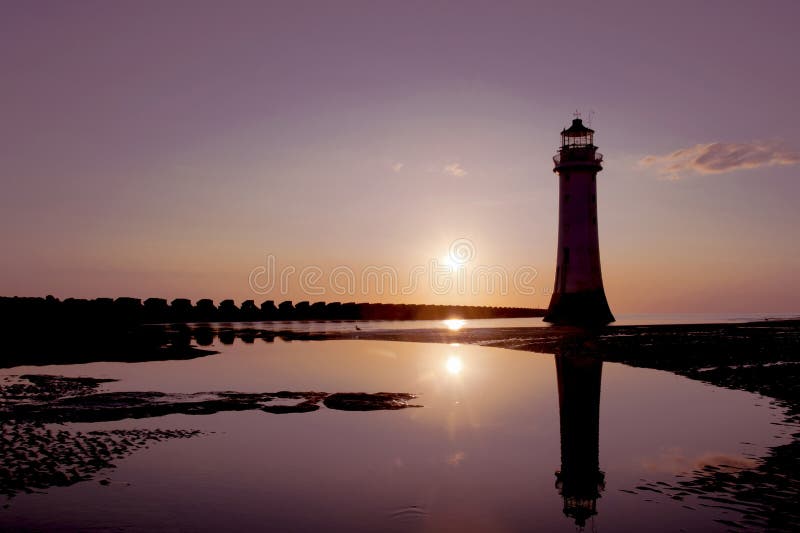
(87, 342)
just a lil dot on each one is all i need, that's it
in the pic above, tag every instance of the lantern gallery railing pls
(577, 154)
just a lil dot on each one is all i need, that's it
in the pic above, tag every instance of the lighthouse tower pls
(578, 295)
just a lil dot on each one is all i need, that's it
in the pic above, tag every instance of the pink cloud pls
(716, 158)
(455, 169)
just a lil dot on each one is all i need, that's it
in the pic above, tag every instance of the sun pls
(447, 262)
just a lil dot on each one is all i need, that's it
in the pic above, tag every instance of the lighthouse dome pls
(577, 135)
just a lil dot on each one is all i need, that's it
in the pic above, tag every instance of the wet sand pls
(760, 357)
(39, 451)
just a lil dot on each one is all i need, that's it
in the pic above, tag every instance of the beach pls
(757, 357)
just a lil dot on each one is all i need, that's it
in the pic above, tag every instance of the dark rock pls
(56, 399)
(302, 407)
(181, 309)
(227, 336)
(285, 310)
(156, 309)
(268, 309)
(228, 310)
(362, 401)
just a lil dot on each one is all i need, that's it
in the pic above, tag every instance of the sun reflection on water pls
(454, 365)
(454, 323)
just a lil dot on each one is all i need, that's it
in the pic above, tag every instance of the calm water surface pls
(481, 455)
(622, 320)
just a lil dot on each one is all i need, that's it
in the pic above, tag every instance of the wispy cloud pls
(454, 169)
(397, 167)
(456, 458)
(716, 158)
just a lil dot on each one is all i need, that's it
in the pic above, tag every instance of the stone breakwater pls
(127, 310)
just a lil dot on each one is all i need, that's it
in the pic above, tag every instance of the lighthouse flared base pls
(585, 308)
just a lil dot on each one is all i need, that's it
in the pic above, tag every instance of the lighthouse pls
(578, 295)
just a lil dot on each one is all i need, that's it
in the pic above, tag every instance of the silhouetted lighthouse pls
(578, 295)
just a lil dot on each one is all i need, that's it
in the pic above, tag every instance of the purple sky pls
(166, 148)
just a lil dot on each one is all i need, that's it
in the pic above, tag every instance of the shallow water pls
(479, 456)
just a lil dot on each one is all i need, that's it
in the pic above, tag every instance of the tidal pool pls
(504, 441)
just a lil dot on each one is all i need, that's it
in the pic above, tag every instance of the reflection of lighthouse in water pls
(580, 480)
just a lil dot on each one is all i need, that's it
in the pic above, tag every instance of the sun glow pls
(454, 365)
(454, 323)
(447, 262)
